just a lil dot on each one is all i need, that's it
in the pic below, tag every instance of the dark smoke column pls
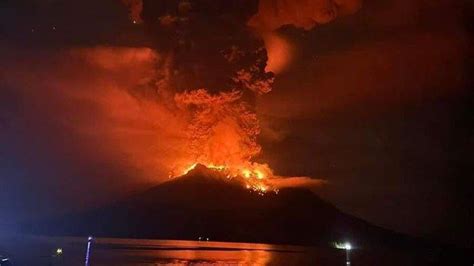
(208, 44)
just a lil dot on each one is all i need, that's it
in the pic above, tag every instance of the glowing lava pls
(254, 176)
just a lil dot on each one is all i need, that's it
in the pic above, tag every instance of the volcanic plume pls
(216, 66)
(212, 78)
(272, 14)
(141, 114)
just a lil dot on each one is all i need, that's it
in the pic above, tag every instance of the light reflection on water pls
(39, 251)
(156, 252)
(132, 252)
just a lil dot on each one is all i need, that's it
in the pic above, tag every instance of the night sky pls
(378, 103)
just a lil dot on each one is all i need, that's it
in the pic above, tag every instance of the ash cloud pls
(222, 129)
(212, 52)
(306, 14)
(215, 68)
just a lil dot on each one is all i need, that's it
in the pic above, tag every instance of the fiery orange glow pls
(222, 135)
(219, 130)
(254, 175)
(210, 166)
(170, 133)
(279, 51)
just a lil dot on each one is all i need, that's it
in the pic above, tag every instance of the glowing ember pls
(246, 173)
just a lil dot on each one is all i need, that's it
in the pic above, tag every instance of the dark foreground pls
(38, 251)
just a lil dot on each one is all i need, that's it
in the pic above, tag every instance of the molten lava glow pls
(254, 175)
(187, 169)
(210, 166)
(246, 173)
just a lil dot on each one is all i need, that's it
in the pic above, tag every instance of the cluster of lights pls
(259, 188)
(346, 245)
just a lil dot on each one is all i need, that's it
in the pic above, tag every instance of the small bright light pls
(89, 238)
(59, 251)
(343, 245)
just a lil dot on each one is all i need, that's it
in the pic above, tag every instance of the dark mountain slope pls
(204, 203)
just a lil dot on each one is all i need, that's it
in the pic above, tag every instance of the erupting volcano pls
(209, 79)
(210, 76)
(217, 58)
(236, 121)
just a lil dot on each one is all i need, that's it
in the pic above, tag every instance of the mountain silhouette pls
(204, 203)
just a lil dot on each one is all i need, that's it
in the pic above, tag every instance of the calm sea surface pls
(38, 251)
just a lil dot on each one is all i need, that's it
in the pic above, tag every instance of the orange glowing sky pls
(375, 99)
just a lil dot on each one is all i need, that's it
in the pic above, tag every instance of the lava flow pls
(254, 177)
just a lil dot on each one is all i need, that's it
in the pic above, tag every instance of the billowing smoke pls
(145, 112)
(273, 14)
(222, 129)
(217, 66)
(214, 67)
(305, 14)
(263, 16)
(138, 114)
